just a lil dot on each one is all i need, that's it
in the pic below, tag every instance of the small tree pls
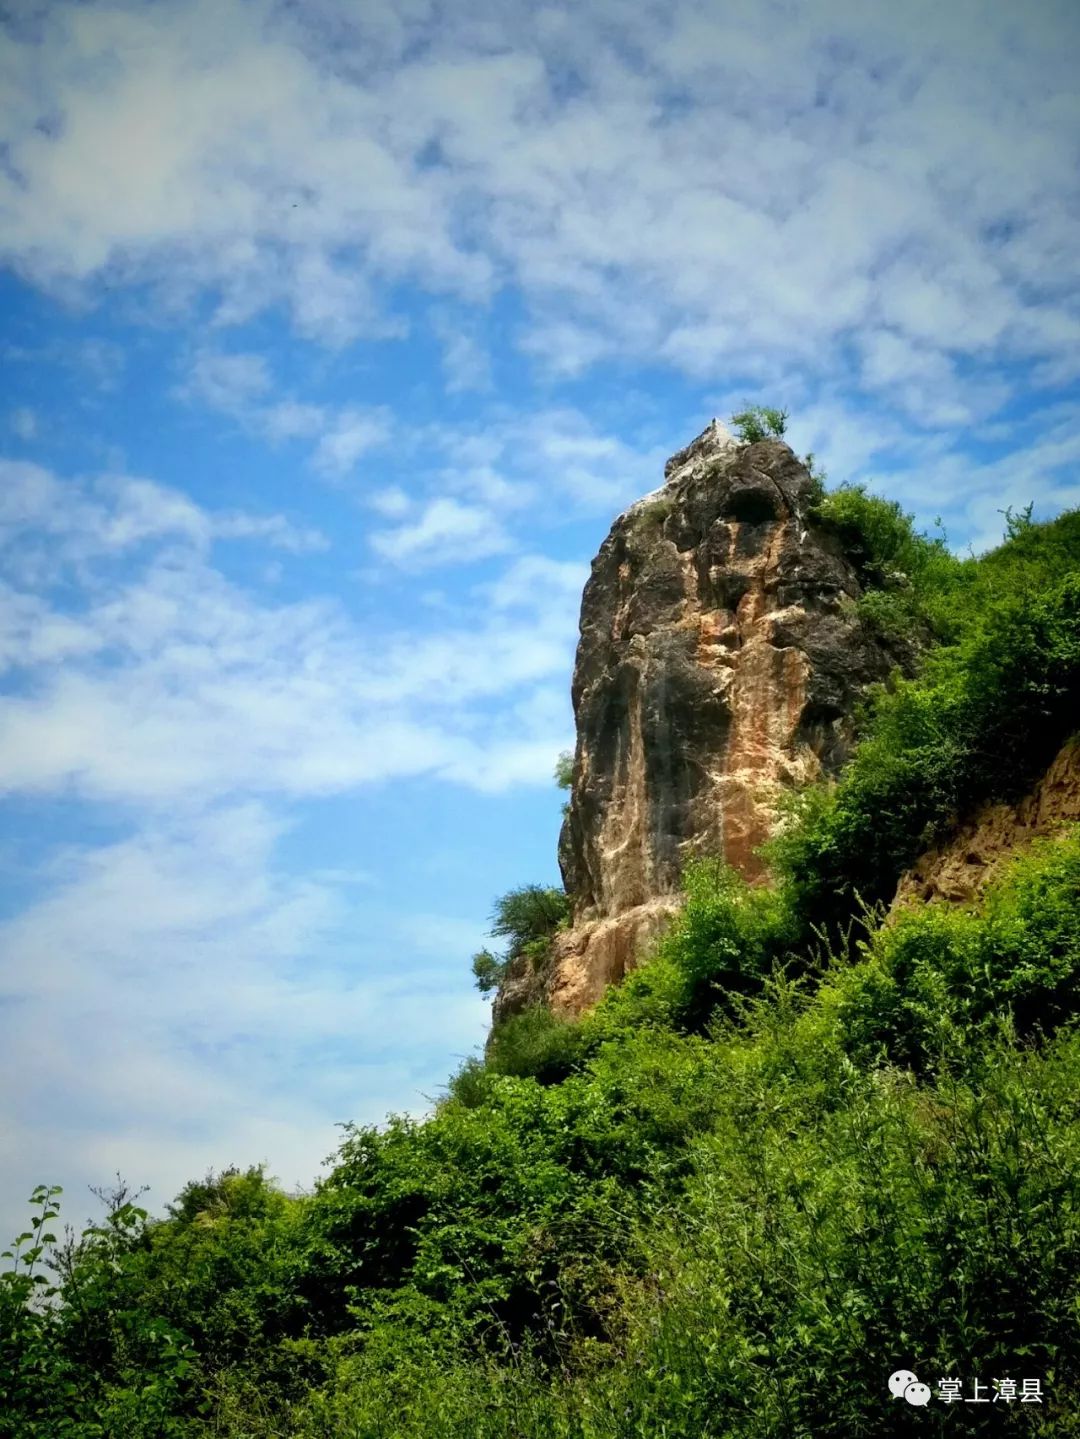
(759, 422)
(527, 917)
(528, 914)
(1017, 522)
(564, 775)
(488, 970)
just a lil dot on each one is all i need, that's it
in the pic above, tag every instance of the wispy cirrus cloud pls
(445, 530)
(241, 386)
(46, 521)
(24, 423)
(164, 984)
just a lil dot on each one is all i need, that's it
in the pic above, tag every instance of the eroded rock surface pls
(720, 661)
(961, 866)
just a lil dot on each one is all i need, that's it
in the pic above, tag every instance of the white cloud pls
(972, 497)
(45, 522)
(101, 362)
(1037, 461)
(533, 575)
(921, 381)
(230, 383)
(554, 459)
(170, 988)
(177, 998)
(168, 682)
(273, 530)
(475, 488)
(752, 198)
(243, 164)
(392, 502)
(240, 385)
(352, 433)
(446, 531)
(718, 190)
(465, 359)
(290, 420)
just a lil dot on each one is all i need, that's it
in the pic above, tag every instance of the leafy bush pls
(908, 578)
(88, 1354)
(759, 422)
(876, 535)
(528, 918)
(535, 1043)
(528, 914)
(673, 1238)
(939, 972)
(831, 1234)
(724, 942)
(818, 477)
(564, 769)
(488, 969)
(984, 718)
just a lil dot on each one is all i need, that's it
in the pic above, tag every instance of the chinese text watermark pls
(906, 1385)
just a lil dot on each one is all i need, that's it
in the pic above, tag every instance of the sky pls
(333, 337)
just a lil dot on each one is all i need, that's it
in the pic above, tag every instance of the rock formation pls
(720, 660)
(964, 863)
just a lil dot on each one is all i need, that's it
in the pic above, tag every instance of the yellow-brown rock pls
(960, 867)
(720, 660)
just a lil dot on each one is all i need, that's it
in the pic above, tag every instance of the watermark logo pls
(905, 1384)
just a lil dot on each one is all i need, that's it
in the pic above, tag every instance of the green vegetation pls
(564, 775)
(528, 918)
(818, 478)
(564, 769)
(881, 542)
(759, 422)
(993, 701)
(802, 1146)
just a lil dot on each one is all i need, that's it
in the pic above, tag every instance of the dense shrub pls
(830, 1236)
(980, 722)
(564, 769)
(725, 941)
(737, 1234)
(537, 1043)
(940, 972)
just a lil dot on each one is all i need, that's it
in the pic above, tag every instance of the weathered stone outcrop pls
(720, 660)
(961, 866)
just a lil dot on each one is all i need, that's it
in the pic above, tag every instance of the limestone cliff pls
(720, 661)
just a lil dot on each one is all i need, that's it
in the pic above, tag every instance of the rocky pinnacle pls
(720, 661)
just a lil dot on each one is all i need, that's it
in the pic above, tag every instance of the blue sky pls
(334, 337)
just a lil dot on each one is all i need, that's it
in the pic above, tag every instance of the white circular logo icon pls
(917, 1393)
(899, 1381)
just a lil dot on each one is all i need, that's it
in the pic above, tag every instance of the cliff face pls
(720, 661)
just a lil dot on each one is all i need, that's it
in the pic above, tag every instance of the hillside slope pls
(807, 1143)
